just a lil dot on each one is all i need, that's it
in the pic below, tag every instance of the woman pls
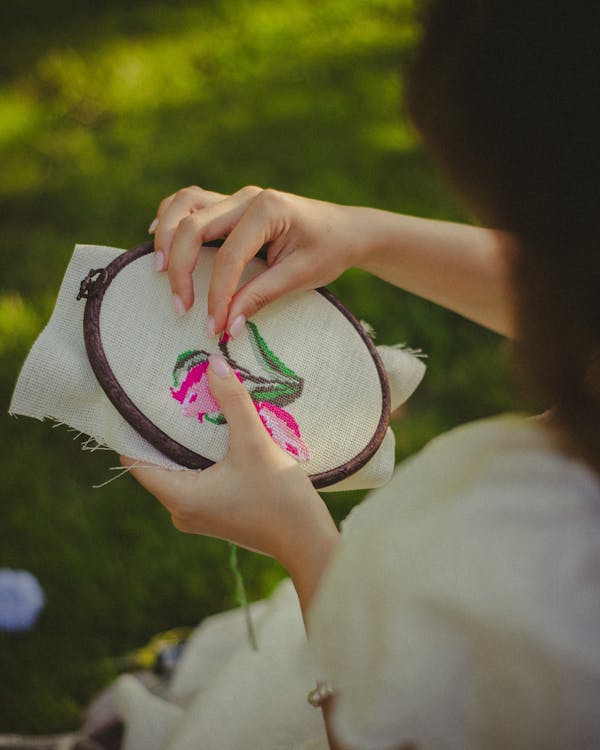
(460, 606)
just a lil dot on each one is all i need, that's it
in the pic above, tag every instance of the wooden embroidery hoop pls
(93, 288)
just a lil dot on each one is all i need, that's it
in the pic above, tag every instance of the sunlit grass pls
(19, 323)
(250, 63)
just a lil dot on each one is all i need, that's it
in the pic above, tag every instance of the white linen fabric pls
(461, 612)
(337, 412)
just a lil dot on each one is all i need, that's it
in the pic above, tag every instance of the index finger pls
(252, 231)
(172, 210)
(193, 231)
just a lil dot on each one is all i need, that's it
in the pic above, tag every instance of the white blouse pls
(461, 612)
(463, 608)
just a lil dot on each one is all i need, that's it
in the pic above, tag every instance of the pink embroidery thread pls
(269, 394)
(195, 397)
(283, 428)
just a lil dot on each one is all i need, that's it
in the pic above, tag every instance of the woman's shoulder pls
(511, 464)
(493, 511)
(487, 501)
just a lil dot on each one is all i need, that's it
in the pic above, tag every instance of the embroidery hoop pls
(93, 289)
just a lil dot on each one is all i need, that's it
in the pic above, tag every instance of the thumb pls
(234, 401)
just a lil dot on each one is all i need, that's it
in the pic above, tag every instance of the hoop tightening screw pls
(89, 286)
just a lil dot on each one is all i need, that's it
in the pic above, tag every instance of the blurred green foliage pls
(105, 109)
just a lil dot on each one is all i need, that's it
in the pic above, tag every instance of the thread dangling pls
(240, 595)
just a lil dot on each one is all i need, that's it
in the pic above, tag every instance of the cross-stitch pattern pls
(270, 392)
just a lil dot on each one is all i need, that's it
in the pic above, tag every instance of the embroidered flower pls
(283, 428)
(194, 395)
(21, 600)
(278, 387)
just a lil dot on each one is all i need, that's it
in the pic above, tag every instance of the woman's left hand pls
(257, 496)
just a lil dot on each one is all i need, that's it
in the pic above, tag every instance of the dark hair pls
(506, 95)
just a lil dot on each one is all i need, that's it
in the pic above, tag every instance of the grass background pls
(105, 109)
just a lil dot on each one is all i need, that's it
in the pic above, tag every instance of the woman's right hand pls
(311, 243)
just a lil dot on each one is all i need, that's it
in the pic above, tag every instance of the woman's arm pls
(461, 267)
(458, 266)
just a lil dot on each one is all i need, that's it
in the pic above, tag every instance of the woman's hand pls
(257, 496)
(464, 268)
(310, 244)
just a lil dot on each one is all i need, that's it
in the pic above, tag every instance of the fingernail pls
(210, 326)
(178, 305)
(158, 262)
(237, 326)
(153, 226)
(219, 366)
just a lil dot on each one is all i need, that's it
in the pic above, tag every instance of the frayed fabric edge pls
(418, 353)
(369, 330)
(125, 470)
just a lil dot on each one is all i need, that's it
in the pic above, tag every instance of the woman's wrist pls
(307, 561)
(378, 238)
(384, 235)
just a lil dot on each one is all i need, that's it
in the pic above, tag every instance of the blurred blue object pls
(167, 659)
(21, 600)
